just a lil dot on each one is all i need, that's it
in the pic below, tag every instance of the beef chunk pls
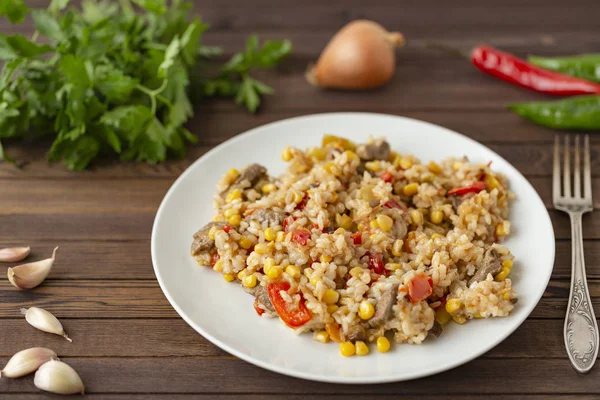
(436, 330)
(491, 265)
(201, 240)
(376, 151)
(252, 174)
(271, 216)
(383, 310)
(261, 294)
(356, 332)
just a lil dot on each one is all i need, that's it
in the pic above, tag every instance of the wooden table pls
(128, 340)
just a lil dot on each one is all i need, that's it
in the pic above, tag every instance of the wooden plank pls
(144, 299)
(174, 338)
(214, 375)
(244, 396)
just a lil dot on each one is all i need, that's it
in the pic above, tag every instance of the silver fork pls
(581, 328)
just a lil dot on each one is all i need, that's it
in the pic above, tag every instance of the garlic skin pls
(58, 377)
(44, 321)
(14, 254)
(28, 276)
(27, 361)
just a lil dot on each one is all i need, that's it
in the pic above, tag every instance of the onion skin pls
(360, 56)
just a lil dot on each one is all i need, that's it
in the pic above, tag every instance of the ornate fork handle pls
(581, 328)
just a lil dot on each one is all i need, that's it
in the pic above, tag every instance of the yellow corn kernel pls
(492, 182)
(405, 163)
(502, 275)
(270, 234)
(347, 349)
(334, 197)
(233, 195)
(385, 222)
(318, 152)
(280, 237)
(361, 348)
(506, 296)
(286, 154)
(293, 271)
(321, 336)
(452, 305)
(478, 316)
(218, 267)
(500, 230)
(230, 212)
(437, 216)
(459, 319)
(427, 177)
(229, 277)
(218, 218)
(365, 310)
(211, 232)
(417, 217)
(366, 193)
(314, 280)
(308, 272)
(297, 197)
(393, 266)
(261, 248)
(434, 167)
(241, 274)
(435, 236)
(269, 262)
(249, 281)
(274, 272)
(268, 188)
(374, 166)
(235, 220)
(331, 308)
(245, 242)
(457, 165)
(393, 155)
(231, 176)
(374, 224)
(397, 247)
(337, 141)
(331, 296)
(329, 167)
(351, 155)
(344, 221)
(383, 344)
(507, 264)
(356, 271)
(360, 227)
(442, 316)
(411, 189)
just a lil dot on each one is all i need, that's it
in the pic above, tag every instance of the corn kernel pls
(434, 167)
(331, 308)
(374, 166)
(351, 155)
(502, 275)
(241, 274)
(344, 221)
(229, 277)
(318, 152)
(269, 234)
(245, 242)
(411, 189)
(218, 267)
(506, 296)
(293, 271)
(261, 248)
(337, 141)
(452, 305)
(365, 310)
(274, 272)
(314, 280)
(361, 348)
(356, 271)
(321, 336)
(268, 188)
(457, 165)
(269, 262)
(500, 230)
(230, 212)
(397, 247)
(393, 266)
(492, 182)
(308, 272)
(478, 316)
(218, 218)
(374, 224)
(286, 154)
(280, 237)
(437, 216)
(231, 176)
(360, 227)
(330, 167)
(297, 197)
(442, 316)
(459, 319)
(366, 193)
(405, 163)
(249, 281)
(383, 344)
(385, 222)
(427, 177)
(211, 232)
(331, 296)
(235, 220)
(417, 217)
(233, 195)
(507, 264)
(393, 155)
(347, 349)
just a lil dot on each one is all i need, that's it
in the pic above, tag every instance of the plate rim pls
(338, 379)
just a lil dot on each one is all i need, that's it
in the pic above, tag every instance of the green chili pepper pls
(580, 113)
(584, 66)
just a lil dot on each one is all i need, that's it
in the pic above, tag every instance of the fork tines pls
(571, 191)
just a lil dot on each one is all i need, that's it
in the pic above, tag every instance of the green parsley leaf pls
(113, 83)
(14, 10)
(47, 25)
(57, 5)
(155, 6)
(15, 46)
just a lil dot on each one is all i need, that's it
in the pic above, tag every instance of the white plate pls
(223, 313)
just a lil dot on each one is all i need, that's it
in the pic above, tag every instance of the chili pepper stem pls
(446, 49)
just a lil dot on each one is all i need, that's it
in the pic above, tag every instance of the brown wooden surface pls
(130, 343)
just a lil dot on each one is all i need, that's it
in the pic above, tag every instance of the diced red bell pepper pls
(214, 258)
(292, 318)
(419, 288)
(476, 187)
(227, 228)
(288, 221)
(387, 176)
(258, 310)
(357, 237)
(376, 263)
(301, 236)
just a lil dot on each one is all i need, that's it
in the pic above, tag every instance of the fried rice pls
(359, 243)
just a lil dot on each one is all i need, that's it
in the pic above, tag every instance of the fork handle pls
(581, 328)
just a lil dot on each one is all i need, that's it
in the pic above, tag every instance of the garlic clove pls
(28, 276)
(14, 254)
(58, 377)
(27, 361)
(44, 321)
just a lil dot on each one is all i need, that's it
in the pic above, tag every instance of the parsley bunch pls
(110, 78)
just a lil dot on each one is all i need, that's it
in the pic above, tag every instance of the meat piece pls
(262, 296)
(271, 216)
(491, 265)
(436, 330)
(374, 203)
(252, 174)
(201, 240)
(383, 310)
(340, 282)
(456, 201)
(355, 332)
(376, 151)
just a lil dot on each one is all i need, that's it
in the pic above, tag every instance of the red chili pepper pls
(301, 236)
(214, 258)
(514, 70)
(376, 263)
(387, 176)
(476, 187)
(258, 310)
(293, 318)
(357, 237)
(226, 228)
(419, 288)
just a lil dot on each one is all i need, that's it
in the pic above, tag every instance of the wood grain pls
(245, 396)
